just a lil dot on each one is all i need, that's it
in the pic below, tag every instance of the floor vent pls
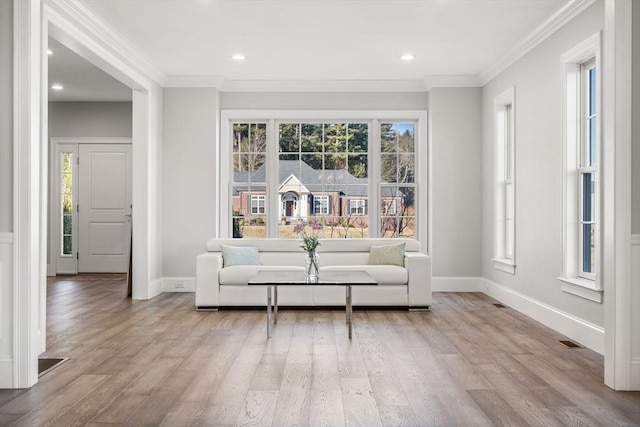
(497, 304)
(570, 344)
(46, 365)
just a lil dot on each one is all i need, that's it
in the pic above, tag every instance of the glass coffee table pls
(272, 279)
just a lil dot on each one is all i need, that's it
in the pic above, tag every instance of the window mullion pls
(272, 177)
(374, 180)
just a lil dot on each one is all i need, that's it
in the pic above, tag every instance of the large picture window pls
(581, 178)
(287, 170)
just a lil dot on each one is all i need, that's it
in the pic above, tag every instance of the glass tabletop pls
(344, 278)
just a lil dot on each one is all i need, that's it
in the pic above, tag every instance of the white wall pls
(6, 193)
(635, 226)
(190, 177)
(6, 115)
(90, 119)
(324, 100)
(456, 161)
(635, 219)
(538, 149)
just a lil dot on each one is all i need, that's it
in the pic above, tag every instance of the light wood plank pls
(159, 362)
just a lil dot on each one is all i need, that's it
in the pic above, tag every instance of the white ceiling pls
(323, 40)
(81, 80)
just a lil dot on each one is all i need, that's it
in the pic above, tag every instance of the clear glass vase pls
(311, 266)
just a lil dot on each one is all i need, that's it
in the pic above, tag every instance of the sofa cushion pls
(387, 255)
(239, 275)
(385, 275)
(240, 255)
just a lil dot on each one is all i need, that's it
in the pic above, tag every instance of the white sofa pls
(219, 286)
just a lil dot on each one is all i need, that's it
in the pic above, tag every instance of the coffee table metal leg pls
(275, 305)
(268, 311)
(346, 305)
(349, 310)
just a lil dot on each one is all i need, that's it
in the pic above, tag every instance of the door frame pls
(74, 26)
(57, 144)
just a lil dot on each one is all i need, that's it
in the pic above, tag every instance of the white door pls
(104, 208)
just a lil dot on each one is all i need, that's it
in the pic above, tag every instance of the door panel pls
(104, 208)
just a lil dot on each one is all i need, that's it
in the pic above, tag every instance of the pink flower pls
(309, 240)
(299, 228)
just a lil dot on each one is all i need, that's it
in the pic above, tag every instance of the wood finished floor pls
(158, 362)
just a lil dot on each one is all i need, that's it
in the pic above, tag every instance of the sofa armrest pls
(418, 267)
(208, 266)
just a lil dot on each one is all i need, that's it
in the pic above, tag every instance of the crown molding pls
(322, 86)
(459, 80)
(193, 81)
(79, 21)
(561, 17)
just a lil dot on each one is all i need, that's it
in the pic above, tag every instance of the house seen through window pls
(326, 171)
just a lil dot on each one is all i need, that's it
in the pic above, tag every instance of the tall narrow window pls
(397, 180)
(581, 173)
(66, 203)
(587, 170)
(505, 188)
(248, 186)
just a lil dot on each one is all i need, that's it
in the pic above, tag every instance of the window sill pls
(505, 265)
(581, 287)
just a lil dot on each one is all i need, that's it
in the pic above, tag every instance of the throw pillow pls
(387, 255)
(240, 255)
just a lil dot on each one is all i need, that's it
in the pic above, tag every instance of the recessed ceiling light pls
(49, 52)
(407, 56)
(57, 86)
(238, 57)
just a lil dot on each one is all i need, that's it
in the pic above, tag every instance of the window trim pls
(504, 176)
(573, 280)
(272, 117)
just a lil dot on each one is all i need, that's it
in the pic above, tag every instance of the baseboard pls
(155, 288)
(51, 271)
(179, 284)
(579, 330)
(6, 372)
(635, 314)
(635, 374)
(456, 284)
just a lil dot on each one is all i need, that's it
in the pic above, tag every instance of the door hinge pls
(77, 255)
(77, 160)
(77, 208)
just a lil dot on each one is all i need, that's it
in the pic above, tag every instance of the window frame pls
(574, 279)
(504, 110)
(374, 117)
